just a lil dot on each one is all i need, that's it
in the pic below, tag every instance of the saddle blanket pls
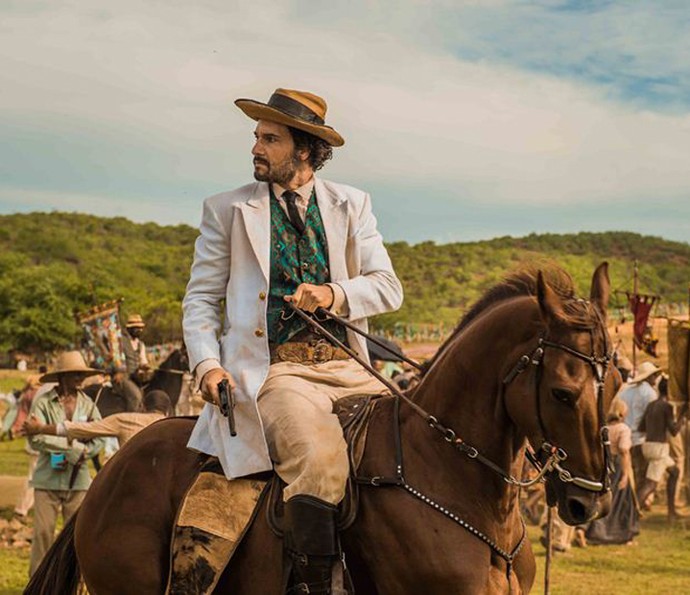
(211, 522)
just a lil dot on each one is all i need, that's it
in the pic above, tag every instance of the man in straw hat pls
(637, 394)
(287, 237)
(136, 360)
(61, 478)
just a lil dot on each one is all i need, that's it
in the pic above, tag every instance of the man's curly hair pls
(319, 150)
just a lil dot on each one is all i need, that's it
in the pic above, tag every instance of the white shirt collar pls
(304, 191)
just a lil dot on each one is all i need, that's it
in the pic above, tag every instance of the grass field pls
(12, 380)
(14, 565)
(657, 562)
(13, 459)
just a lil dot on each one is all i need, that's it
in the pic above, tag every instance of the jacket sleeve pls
(376, 289)
(206, 289)
(86, 430)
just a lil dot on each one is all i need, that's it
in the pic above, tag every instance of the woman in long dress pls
(622, 524)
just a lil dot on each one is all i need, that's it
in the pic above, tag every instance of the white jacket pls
(231, 263)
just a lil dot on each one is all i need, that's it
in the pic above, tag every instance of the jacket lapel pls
(256, 213)
(333, 209)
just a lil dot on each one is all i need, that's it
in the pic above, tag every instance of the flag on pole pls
(102, 335)
(641, 306)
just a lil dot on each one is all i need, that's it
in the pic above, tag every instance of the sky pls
(465, 120)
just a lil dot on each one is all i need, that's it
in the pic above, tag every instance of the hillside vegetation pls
(52, 264)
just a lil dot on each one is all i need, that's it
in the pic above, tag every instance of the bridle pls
(550, 456)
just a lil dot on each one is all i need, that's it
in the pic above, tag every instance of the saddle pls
(216, 514)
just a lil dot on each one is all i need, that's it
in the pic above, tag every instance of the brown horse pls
(528, 362)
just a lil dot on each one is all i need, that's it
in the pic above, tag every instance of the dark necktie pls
(289, 197)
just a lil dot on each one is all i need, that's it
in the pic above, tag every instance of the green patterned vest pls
(295, 259)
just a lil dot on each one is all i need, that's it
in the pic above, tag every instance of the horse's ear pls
(549, 301)
(600, 292)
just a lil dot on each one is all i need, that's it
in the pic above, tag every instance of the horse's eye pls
(563, 395)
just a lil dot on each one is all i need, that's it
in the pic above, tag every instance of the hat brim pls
(637, 380)
(54, 376)
(261, 111)
(135, 325)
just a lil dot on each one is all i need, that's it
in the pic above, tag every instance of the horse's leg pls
(123, 529)
(525, 568)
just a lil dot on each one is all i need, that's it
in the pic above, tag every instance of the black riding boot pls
(311, 543)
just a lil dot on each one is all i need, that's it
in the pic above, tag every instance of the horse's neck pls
(463, 389)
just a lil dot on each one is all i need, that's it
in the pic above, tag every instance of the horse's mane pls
(576, 312)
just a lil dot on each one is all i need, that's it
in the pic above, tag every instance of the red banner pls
(641, 306)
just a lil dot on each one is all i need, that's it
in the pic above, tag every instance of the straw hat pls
(69, 362)
(299, 109)
(644, 371)
(135, 321)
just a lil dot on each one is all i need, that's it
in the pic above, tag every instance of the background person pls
(25, 501)
(136, 360)
(656, 422)
(61, 478)
(639, 393)
(622, 523)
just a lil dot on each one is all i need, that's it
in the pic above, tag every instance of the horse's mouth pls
(577, 506)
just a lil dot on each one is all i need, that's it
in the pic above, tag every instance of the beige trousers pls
(304, 437)
(47, 505)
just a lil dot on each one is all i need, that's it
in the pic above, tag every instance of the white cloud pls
(158, 78)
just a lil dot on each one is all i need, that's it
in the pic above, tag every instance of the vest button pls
(262, 295)
(259, 332)
(305, 266)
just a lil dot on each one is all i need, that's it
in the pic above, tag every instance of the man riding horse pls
(288, 239)
(136, 360)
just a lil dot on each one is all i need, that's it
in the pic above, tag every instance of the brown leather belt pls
(308, 353)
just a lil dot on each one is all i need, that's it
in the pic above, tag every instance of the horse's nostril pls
(576, 509)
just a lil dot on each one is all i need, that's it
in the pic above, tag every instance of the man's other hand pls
(310, 297)
(209, 385)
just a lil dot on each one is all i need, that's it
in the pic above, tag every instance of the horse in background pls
(167, 377)
(530, 363)
(170, 375)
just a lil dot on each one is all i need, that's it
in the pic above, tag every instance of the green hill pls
(52, 264)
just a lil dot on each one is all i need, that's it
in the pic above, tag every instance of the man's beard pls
(278, 173)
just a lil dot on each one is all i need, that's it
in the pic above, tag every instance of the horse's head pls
(561, 405)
